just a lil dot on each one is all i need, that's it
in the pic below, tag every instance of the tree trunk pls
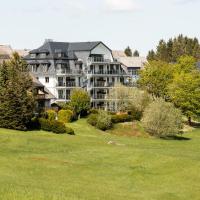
(189, 121)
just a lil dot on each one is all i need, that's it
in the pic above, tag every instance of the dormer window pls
(43, 55)
(33, 55)
(59, 55)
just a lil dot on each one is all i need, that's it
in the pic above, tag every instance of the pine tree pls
(128, 52)
(151, 56)
(16, 99)
(136, 53)
(173, 49)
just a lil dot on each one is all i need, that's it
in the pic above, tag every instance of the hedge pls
(51, 114)
(121, 118)
(65, 116)
(55, 126)
(92, 119)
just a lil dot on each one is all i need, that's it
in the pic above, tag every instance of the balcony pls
(67, 84)
(107, 72)
(101, 84)
(99, 96)
(40, 97)
(71, 84)
(98, 60)
(68, 72)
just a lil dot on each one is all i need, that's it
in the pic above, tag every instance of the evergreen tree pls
(16, 99)
(151, 56)
(136, 53)
(128, 52)
(173, 49)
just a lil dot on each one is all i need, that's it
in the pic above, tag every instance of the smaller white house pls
(132, 64)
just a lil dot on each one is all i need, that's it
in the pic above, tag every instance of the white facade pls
(93, 69)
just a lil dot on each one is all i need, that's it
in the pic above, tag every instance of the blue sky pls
(118, 23)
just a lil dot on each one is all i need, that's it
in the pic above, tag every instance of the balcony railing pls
(107, 72)
(68, 71)
(101, 84)
(99, 96)
(67, 97)
(40, 96)
(67, 84)
(98, 60)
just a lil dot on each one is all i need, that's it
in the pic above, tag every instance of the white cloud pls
(120, 5)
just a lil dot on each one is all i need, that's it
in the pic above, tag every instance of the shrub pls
(55, 126)
(58, 127)
(70, 131)
(45, 124)
(121, 118)
(65, 116)
(94, 111)
(136, 114)
(162, 119)
(104, 121)
(92, 119)
(51, 114)
(34, 124)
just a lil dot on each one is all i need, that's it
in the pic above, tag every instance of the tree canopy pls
(173, 49)
(80, 101)
(16, 98)
(155, 78)
(128, 52)
(184, 92)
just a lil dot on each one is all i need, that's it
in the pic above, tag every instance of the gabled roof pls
(133, 62)
(56, 47)
(82, 46)
(6, 50)
(118, 54)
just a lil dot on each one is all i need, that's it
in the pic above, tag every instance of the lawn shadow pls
(175, 137)
(195, 124)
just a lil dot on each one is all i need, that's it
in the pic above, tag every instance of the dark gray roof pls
(82, 46)
(66, 48)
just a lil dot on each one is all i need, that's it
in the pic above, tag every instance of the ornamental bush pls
(55, 126)
(162, 119)
(70, 131)
(51, 114)
(65, 116)
(120, 118)
(92, 119)
(104, 121)
(136, 114)
(58, 127)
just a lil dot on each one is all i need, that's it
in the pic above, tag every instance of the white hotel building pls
(62, 67)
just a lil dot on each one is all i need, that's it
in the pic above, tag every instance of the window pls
(59, 55)
(46, 79)
(43, 55)
(33, 55)
(35, 68)
(60, 94)
(60, 81)
(68, 94)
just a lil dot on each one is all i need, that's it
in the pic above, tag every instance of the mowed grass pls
(43, 166)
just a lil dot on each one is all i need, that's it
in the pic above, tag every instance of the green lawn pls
(39, 165)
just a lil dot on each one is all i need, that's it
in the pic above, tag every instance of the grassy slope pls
(39, 165)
